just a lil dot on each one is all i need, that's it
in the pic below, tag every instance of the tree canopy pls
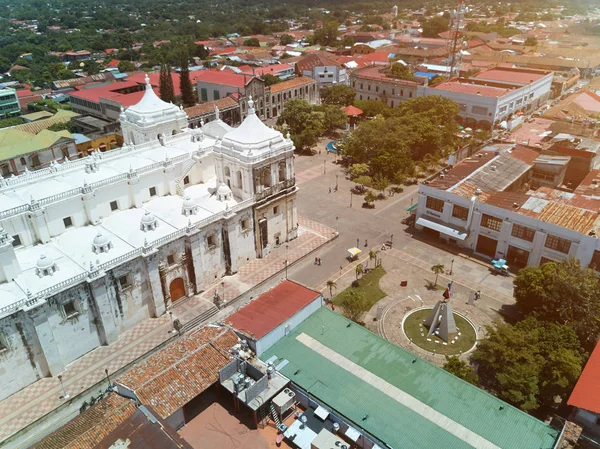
(435, 26)
(390, 145)
(252, 42)
(562, 293)
(461, 369)
(529, 364)
(340, 95)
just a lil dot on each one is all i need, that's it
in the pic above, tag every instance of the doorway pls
(177, 289)
(486, 246)
(517, 257)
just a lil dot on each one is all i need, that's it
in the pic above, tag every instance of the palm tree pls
(437, 269)
(359, 270)
(373, 255)
(331, 284)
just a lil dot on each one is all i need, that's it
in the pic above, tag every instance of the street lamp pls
(172, 324)
(337, 228)
(64, 395)
(350, 198)
(223, 285)
(451, 266)
(336, 180)
(324, 166)
(286, 260)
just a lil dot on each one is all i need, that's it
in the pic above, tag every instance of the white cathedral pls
(91, 247)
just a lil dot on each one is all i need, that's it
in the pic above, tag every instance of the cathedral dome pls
(223, 189)
(44, 262)
(151, 109)
(252, 134)
(101, 239)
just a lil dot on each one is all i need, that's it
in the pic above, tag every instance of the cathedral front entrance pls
(177, 289)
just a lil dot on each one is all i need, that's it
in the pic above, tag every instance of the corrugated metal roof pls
(272, 308)
(586, 394)
(382, 415)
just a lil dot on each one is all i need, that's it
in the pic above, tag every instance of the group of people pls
(335, 189)
(317, 261)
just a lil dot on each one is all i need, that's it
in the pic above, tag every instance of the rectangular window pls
(434, 204)
(393, 91)
(595, 262)
(216, 95)
(401, 92)
(245, 225)
(186, 180)
(70, 310)
(68, 222)
(113, 205)
(544, 260)
(369, 87)
(460, 212)
(491, 222)
(376, 88)
(171, 259)
(275, 210)
(124, 282)
(35, 160)
(152, 191)
(523, 232)
(16, 240)
(410, 94)
(558, 244)
(210, 241)
(203, 94)
(480, 110)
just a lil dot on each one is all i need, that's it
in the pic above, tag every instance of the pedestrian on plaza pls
(336, 188)
(316, 260)
(329, 189)
(319, 261)
(366, 244)
(477, 295)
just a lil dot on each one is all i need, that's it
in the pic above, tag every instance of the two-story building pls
(487, 204)
(373, 83)
(324, 68)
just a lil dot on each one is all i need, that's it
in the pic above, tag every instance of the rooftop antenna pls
(456, 38)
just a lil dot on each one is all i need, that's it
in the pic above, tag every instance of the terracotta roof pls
(178, 373)
(316, 59)
(87, 430)
(290, 84)
(377, 72)
(588, 100)
(222, 77)
(144, 430)
(586, 394)
(272, 308)
(206, 108)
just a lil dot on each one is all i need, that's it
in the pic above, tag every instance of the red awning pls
(352, 111)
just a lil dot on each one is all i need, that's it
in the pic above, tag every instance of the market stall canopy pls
(352, 111)
(354, 252)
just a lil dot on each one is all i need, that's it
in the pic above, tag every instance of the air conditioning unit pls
(284, 401)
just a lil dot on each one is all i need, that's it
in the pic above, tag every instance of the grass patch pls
(368, 285)
(413, 331)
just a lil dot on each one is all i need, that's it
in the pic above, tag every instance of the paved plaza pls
(329, 213)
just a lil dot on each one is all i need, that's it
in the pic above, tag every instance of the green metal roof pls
(14, 143)
(399, 426)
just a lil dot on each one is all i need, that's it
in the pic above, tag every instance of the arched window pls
(282, 171)
(227, 172)
(23, 161)
(239, 180)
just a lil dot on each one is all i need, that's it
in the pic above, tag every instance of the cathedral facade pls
(91, 247)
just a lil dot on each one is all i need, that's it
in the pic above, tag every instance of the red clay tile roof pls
(88, 429)
(178, 373)
(205, 108)
(222, 77)
(586, 394)
(352, 111)
(377, 72)
(589, 101)
(272, 308)
(290, 84)
(316, 59)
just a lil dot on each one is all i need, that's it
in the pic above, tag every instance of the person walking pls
(329, 189)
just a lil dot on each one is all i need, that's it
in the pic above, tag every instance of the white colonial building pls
(91, 247)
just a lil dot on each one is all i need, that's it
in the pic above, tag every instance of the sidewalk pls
(41, 398)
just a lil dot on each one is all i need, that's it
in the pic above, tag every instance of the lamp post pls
(336, 180)
(223, 285)
(451, 266)
(286, 260)
(172, 330)
(337, 228)
(62, 387)
(324, 166)
(350, 198)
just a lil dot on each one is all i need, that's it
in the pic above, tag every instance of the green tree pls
(370, 197)
(339, 95)
(562, 293)
(331, 285)
(435, 26)
(373, 255)
(286, 39)
(381, 183)
(353, 306)
(65, 126)
(461, 369)
(185, 84)
(304, 122)
(437, 269)
(326, 36)
(270, 79)
(91, 67)
(5, 64)
(126, 66)
(529, 364)
(363, 180)
(332, 117)
(401, 71)
(252, 42)
(165, 88)
(371, 108)
(356, 170)
(43, 105)
(531, 41)
(360, 269)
